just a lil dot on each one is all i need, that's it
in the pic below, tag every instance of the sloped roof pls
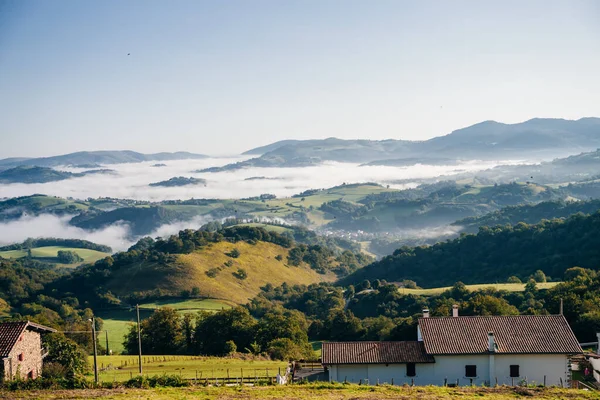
(11, 331)
(374, 353)
(514, 334)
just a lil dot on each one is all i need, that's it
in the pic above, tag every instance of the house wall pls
(382, 373)
(30, 345)
(451, 369)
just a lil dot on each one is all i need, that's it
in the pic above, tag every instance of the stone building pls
(21, 350)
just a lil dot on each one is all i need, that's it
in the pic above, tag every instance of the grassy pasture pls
(326, 391)
(121, 368)
(510, 287)
(49, 254)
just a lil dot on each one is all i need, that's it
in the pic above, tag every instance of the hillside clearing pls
(509, 287)
(215, 274)
(312, 391)
(49, 254)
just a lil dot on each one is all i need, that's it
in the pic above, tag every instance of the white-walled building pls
(464, 351)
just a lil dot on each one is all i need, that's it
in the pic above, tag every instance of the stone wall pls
(29, 346)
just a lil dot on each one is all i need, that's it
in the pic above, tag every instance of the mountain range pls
(96, 157)
(534, 139)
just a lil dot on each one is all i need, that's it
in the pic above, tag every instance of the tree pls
(513, 279)
(66, 353)
(213, 330)
(240, 274)
(539, 276)
(162, 333)
(286, 349)
(68, 257)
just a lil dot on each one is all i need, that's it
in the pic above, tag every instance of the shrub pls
(235, 253)
(212, 273)
(240, 273)
(279, 257)
(156, 381)
(513, 279)
(230, 347)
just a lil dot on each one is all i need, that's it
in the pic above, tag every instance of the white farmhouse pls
(463, 350)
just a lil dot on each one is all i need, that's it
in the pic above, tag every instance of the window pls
(411, 369)
(514, 371)
(471, 371)
(20, 357)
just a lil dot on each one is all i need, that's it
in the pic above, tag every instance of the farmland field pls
(49, 254)
(326, 391)
(510, 287)
(121, 368)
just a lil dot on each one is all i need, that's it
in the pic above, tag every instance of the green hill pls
(48, 254)
(495, 254)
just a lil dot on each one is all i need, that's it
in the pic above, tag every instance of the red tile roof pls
(374, 353)
(524, 334)
(11, 331)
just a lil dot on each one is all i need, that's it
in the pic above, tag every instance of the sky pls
(221, 77)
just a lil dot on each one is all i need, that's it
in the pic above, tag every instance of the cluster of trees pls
(494, 254)
(530, 214)
(279, 333)
(380, 311)
(75, 243)
(68, 257)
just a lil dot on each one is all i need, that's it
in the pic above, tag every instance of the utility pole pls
(137, 308)
(561, 306)
(107, 350)
(93, 321)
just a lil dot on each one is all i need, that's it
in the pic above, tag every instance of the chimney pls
(425, 313)
(491, 342)
(455, 310)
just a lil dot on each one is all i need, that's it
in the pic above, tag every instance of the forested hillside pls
(494, 254)
(530, 214)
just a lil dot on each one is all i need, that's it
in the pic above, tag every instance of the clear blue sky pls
(224, 76)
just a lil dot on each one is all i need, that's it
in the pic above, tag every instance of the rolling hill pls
(27, 174)
(96, 157)
(189, 271)
(495, 254)
(537, 138)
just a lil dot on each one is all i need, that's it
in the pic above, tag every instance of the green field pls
(49, 254)
(326, 391)
(510, 287)
(121, 368)
(116, 322)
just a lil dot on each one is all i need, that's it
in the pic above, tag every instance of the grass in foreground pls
(122, 368)
(314, 391)
(510, 287)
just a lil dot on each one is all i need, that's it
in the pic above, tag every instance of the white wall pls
(451, 369)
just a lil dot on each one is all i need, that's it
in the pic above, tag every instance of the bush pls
(212, 273)
(68, 257)
(235, 253)
(156, 381)
(230, 347)
(513, 279)
(279, 257)
(240, 273)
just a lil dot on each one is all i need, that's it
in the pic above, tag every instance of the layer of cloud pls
(131, 180)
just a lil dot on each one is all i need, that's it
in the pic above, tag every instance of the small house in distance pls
(21, 350)
(462, 350)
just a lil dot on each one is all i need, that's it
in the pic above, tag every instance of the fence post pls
(544, 380)
(445, 381)
(360, 382)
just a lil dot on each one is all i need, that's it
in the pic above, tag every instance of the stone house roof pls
(514, 334)
(374, 353)
(10, 332)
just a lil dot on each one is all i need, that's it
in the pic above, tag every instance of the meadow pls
(49, 254)
(122, 368)
(509, 287)
(324, 391)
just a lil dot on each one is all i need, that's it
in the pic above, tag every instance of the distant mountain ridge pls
(537, 137)
(97, 157)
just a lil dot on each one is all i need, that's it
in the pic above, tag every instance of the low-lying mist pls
(130, 181)
(117, 236)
